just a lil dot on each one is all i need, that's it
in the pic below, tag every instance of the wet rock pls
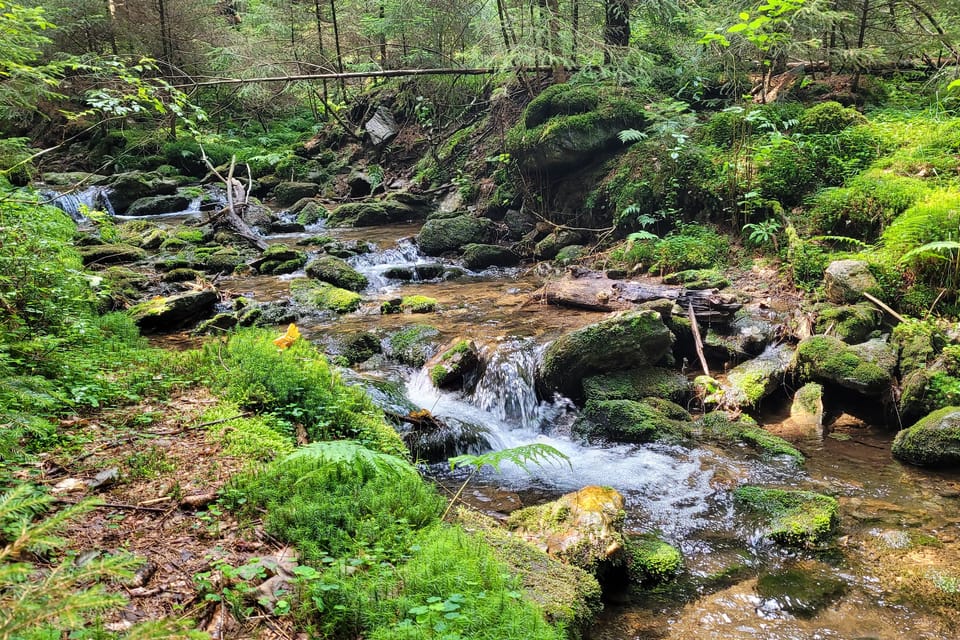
(223, 261)
(749, 383)
(454, 364)
(310, 213)
(748, 335)
(413, 345)
(802, 590)
(127, 187)
(418, 304)
(440, 236)
(382, 126)
(286, 227)
(71, 178)
(637, 384)
(791, 518)
(807, 408)
(287, 193)
(845, 281)
(651, 560)
(110, 254)
(279, 258)
(442, 440)
(154, 205)
(583, 528)
(851, 323)
(337, 272)
(718, 426)
(360, 346)
(828, 359)
(549, 247)
(323, 295)
(518, 223)
(180, 275)
(628, 340)
(174, 312)
(481, 256)
(429, 271)
(633, 421)
(568, 595)
(934, 441)
(257, 216)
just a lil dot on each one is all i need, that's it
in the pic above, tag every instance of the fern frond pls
(349, 455)
(932, 250)
(843, 240)
(523, 456)
(629, 136)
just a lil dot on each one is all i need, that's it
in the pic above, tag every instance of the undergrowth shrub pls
(690, 246)
(298, 386)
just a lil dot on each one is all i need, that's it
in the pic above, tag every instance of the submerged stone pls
(802, 590)
(792, 518)
(934, 441)
(413, 345)
(719, 427)
(627, 340)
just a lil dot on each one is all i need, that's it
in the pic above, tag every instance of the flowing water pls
(680, 492)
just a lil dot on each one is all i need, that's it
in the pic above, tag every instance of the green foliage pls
(297, 385)
(258, 438)
(829, 117)
(865, 206)
(763, 233)
(522, 456)
(690, 247)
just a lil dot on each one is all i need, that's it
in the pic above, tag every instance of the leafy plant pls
(763, 233)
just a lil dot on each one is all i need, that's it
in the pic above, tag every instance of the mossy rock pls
(917, 344)
(110, 254)
(310, 213)
(631, 421)
(638, 384)
(153, 239)
(450, 234)
(807, 407)
(453, 365)
(338, 273)
(418, 304)
(628, 340)
(851, 323)
(845, 281)
(570, 254)
(568, 596)
(323, 295)
(717, 426)
(551, 246)
(932, 387)
(698, 279)
(155, 205)
(792, 518)
(934, 441)
(127, 187)
(747, 336)
(278, 259)
(801, 590)
(427, 271)
(361, 346)
(180, 275)
(413, 345)
(481, 256)
(218, 324)
(288, 193)
(828, 359)
(223, 261)
(173, 312)
(358, 214)
(829, 117)
(749, 383)
(651, 560)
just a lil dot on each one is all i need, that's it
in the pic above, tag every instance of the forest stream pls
(734, 584)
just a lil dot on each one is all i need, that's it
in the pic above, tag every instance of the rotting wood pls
(883, 306)
(386, 73)
(697, 341)
(237, 200)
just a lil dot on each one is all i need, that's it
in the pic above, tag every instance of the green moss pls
(259, 438)
(793, 518)
(934, 441)
(630, 421)
(865, 205)
(698, 279)
(718, 426)
(419, 304)
(413, 345)
(851, 323)
(650, 560)
(337, 272)
(637, 384)
(193, 236)
(324, 295)
(827, 358)
(918, 343)
(829, 117)
(766, 442)
(809, 398)
(439, 375)
(690, 247)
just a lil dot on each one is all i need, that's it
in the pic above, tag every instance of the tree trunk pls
(323, 54)
(616, 28)
(336, 41)
(164, 35)
(503, 25)
(383, 36)
(575, 28)
(861, 35)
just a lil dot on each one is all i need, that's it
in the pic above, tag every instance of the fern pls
(932, 250)
(860, 244)
(346, 455)
(522, 456)
(629, 136)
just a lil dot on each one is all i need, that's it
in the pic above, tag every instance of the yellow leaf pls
(288, 338)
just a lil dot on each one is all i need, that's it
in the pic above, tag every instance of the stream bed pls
(734, 584)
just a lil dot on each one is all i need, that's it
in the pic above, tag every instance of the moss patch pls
(638, 384)
(418, 304)
(632, 421)
(323, 295)
(650, 560)
(828, 359)
(793, 518)
(933, 441)
(718, 426)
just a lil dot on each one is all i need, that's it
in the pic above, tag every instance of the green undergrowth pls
(379, 563)
(298, 386)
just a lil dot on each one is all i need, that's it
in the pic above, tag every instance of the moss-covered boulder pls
(110, 254)
(719, 427)
(413, 345)
(851, 323)
(127, 187)
(174, 312)
(288, 193)
(637, 384)
(454, 364)
(224, 260)
(310, 212)
(397, 207)
(791, 518)
(749, 383)
(360, 346)
(934, 441)
(698, 279)
(932, 387)
(569, 596)
(917, 344)
(845, 281)
(154, 205)
(550, 247)
(828, 359)
(337, 272)
(481, 256)
(180, 275)
(323, 295)
(651, 560)
(450, 234)
(278, 259)
(583, 528)
(633, 421)
(568, 126)
(418, 304)
(628, 340)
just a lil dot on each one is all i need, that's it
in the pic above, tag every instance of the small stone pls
(69, 485)
(105, 478)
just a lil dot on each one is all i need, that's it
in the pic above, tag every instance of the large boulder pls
(648, 420)
(866, 368)
(851, 323)
(127, 187)
(480, 256)
(791, 518)
(288, 193)
(324, 296)
(934, 441)
(279, 259)
(99, 254)
(750, 382)
(337, 272)
(396, 207)
(637, 384)
(627, 340)
(174, 312)
(449, 234)
(845, 281)
(154, 205)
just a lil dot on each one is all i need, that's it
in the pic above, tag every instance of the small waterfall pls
(507, 389)
(75, 203)
(375, 264)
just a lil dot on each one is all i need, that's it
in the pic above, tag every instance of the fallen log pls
(596, 292)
